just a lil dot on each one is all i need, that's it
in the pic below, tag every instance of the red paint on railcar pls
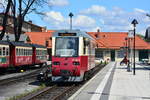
(68, 63)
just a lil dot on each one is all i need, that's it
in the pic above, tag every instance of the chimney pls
(30, 21)
(97, 35)
(43, 29)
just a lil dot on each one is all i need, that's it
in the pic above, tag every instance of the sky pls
(90, 15)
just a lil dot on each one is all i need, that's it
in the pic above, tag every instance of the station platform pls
(114, 82)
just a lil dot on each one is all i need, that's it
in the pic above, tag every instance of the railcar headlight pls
(56, 63)
(76, 63)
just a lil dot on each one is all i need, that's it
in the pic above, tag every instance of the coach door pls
(12, 55)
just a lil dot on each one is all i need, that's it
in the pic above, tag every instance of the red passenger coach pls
(21, 54)
(39, 54)
(4, 54)
(73, 55)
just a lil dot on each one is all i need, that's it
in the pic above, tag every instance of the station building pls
(111, 46)
(114, 46)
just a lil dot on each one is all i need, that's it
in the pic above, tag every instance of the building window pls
(99, 54)
(120, 54)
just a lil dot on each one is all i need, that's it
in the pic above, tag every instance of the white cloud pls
(83, 21)
(54, 19)
(95, 9)
(56, 16)
(140, 10)
(116, 19)
(58, 2)
(58, 21)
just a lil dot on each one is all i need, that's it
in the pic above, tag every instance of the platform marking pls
(82, 88)
(101, 86)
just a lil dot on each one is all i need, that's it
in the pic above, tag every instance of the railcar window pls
(66, 46)
(4, 52)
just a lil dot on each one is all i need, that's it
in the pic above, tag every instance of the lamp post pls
(126, 47)
(70, 15)
(134, 22)
(7, 37)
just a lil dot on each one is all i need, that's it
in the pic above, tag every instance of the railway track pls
(55, 92)
(19, 78)
(58, 92)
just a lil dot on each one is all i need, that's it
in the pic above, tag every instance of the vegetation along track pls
(20, 77)
(56, 92)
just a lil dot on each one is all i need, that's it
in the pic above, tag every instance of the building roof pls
(40, 38)
(117, 40)
(104, 40)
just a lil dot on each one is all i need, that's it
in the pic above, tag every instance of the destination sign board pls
(66, 34)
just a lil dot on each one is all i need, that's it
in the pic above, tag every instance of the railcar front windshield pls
(66, 46)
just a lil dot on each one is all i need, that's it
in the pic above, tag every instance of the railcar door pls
(12, 56)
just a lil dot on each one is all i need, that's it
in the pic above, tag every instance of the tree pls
(20, 8)
(5, 17)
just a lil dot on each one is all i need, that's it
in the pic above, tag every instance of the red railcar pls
(73, 55)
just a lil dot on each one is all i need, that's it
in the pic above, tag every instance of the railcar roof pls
(78, 33)
(4, 42)
(38, 46)
(21, 44)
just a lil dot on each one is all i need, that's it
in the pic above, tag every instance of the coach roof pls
(38, 46)
(4, 42)
(21, 44)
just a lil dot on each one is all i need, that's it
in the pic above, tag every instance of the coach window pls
(30, 52)
(21, 52)
(17, 52)
(4, 52)
(0, 51)
(25, 52)
(7, 51)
